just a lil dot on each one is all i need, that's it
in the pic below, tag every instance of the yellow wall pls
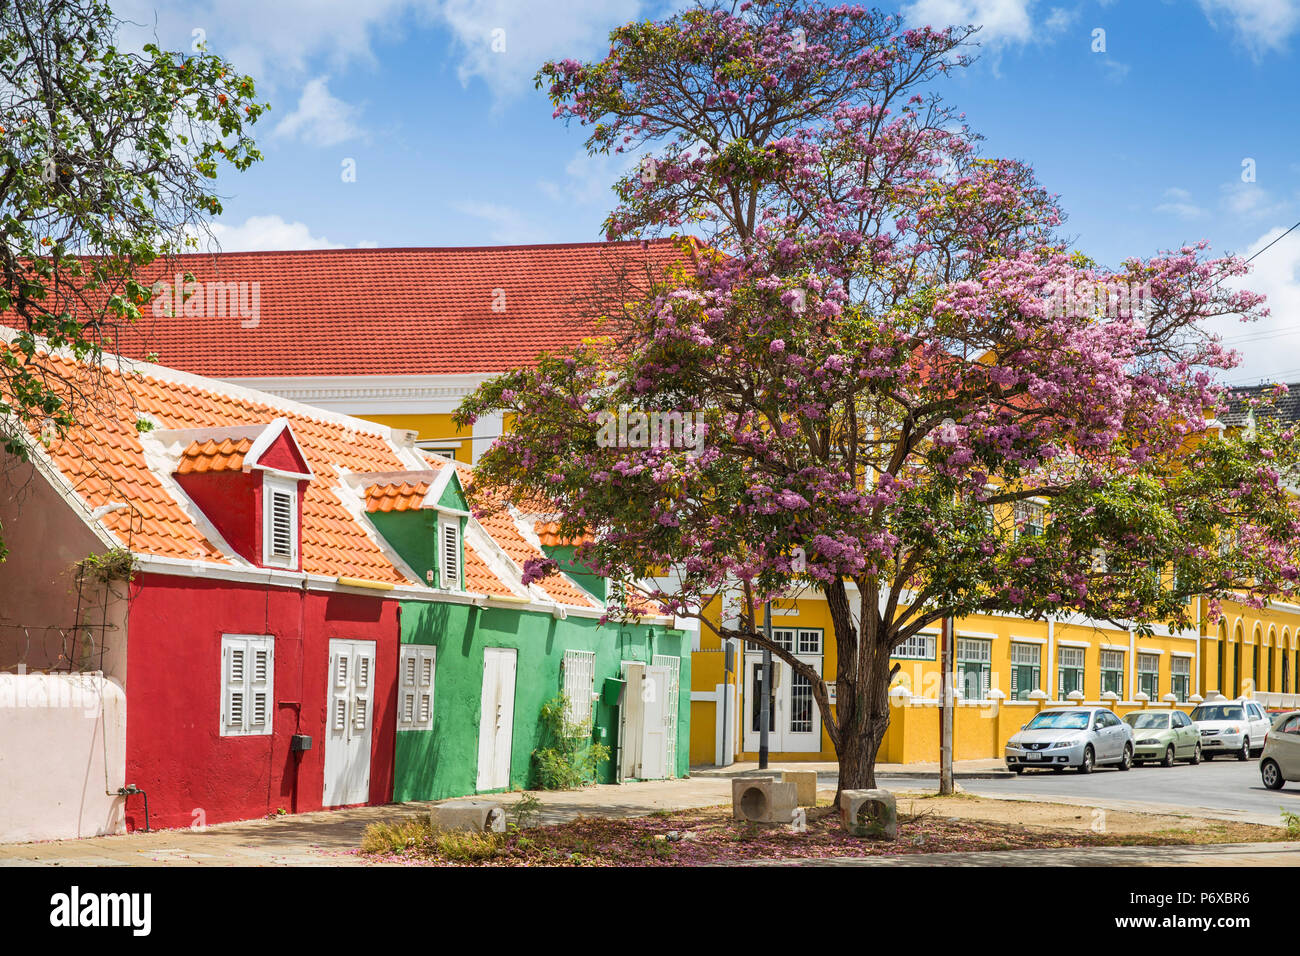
(981, 729)
(429, 428)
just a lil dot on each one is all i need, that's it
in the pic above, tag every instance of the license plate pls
(1033, 756)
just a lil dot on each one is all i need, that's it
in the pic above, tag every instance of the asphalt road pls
(1228, 786)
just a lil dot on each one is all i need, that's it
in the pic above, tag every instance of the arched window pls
(1237, 638)
(1272, 658)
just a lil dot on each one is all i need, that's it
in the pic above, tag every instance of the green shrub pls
(567, 758)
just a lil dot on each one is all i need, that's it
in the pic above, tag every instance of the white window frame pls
(443, 571)
(1065, 662)
(578, 676)
(271, 485)
(245, 678)
(417, 672)
(1027, 513)
(1032, 655)
(1107, 665)
(918, 647)
(808, 632)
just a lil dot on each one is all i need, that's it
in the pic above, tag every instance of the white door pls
(350, 717)
(654, 749)
(496, 718)
(647, 738)
(794, 720)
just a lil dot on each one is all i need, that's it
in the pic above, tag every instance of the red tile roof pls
(419, 311)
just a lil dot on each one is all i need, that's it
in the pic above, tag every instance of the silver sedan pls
(1079, 737)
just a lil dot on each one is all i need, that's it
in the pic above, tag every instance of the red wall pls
(174, 749)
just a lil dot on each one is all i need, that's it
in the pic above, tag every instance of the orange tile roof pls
(415, 311)
(211, 455)
(548, 532)
(104, 460)
(500, 525)
(396, 497)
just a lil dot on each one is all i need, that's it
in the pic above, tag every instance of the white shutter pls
(449, 558)
(247, 680)
(417, 667)
(279, 521)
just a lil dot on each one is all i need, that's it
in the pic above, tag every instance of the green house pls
(484, 653)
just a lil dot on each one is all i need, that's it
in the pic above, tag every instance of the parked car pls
(1231, 726)
(1281, 758)
(1165, 736)
(1079, 737)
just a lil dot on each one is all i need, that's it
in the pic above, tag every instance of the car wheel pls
(1088, 759)
(1169, 757)
(1244, 752)
(1271, 774)
(1196, 755)
(1126, 761)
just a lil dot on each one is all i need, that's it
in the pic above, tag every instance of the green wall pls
(443, 762)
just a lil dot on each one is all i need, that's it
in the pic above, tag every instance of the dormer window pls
(280, 521)
(449, 553)
(248, 481)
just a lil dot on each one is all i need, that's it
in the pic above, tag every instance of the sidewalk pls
(828, 771)
(1225, 854)
(325, 837)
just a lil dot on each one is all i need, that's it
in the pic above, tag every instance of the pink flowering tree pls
(878, 373)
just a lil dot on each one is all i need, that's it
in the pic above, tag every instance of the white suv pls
(1231, 726)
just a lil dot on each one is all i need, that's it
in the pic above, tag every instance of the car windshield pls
(1219, 712)
(1060, 720)
(1148, 721)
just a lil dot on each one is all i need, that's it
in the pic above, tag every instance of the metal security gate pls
(673, 665)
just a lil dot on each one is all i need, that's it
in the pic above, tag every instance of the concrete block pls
(763, 800)
(805, 782)
(482, 815)
(869, 813)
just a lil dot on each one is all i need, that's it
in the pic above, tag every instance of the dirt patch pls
(709, 837)
(1053, 816)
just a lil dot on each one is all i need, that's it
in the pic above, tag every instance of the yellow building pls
(1006, 668)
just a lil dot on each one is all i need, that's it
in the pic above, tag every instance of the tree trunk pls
(863, 730)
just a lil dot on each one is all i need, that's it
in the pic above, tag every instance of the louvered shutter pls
(449, 556)
(259, 689)
(247, 678)
(416, 691)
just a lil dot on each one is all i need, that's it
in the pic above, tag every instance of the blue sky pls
(1144, 141)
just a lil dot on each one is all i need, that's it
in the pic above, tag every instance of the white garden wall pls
(62, 753)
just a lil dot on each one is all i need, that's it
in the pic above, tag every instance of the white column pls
(486, 430)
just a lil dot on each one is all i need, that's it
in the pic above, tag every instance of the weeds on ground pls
(1292, 823)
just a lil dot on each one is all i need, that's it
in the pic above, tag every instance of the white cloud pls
(321, 118)
(1001, 21)
(1262, 25)
(1178, 203)
(262, 233)
(1249, 201)
(588, 178)
(270, 40)
(508, 225)
(1270, 348)
(530, 33)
